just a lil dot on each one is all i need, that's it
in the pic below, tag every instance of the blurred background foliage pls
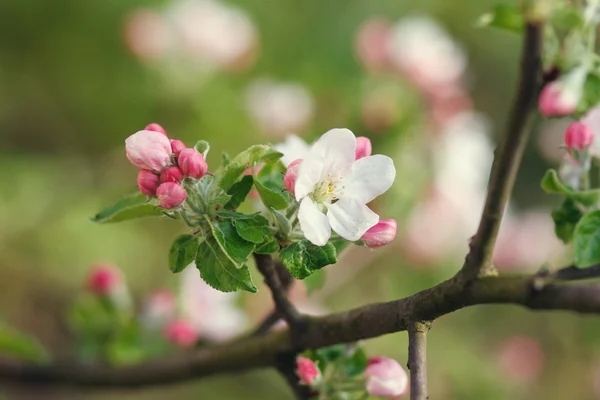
(72, 89)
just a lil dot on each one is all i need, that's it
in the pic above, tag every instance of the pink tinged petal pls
(289, 180)
(148, 150)
(309, 174)
(336, 148)
(370, 177)
(386, 378)
(314, 223)
(363, 147)
(351, 218)
(381, 234)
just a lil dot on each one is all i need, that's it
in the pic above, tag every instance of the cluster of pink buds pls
(164, 164)
(181, 333)
(578, 136)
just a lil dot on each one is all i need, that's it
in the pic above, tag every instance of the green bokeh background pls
(70, 92)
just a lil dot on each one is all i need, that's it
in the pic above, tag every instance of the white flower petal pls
(351, 218)
(337, 148)
(314, 223)
(309, 174)
(370, 177)
(293, 148)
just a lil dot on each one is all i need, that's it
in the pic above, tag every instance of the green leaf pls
(591, 94)
(203, 147)
(130, 207)
(503, 16)
(283, 223)
(269, 247)
(239, 191)
(566, 18)
(586, 240)
(256, 230)
(219, 271)
(21, 345)
(356, 364)
(182, 252)
(303, 258)
(231, 243)
(270, 198)
(246, 159)
(565, 219)
(551, 184)
(315, 281)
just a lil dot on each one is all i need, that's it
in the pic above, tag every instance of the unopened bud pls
(148, 150)
(192, 164)
(181, 333)
(307, 370)
(381, 234)
(561, 97)
(578, 136)
(386, 378)
(170, 194)
(363, 147)
(171, 174)
(147, 182)
(104, 279)
(177, 146)
(156, 128)
(289, 180)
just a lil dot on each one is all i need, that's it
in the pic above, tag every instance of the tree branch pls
(284, 307)
(360, 323)
(417, 359)
(572, 273)
(508, 158)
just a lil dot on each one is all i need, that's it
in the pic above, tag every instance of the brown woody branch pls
(508, 157)
(360, 323)
(417, 359)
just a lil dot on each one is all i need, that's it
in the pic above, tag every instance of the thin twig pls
(508, 157)
(284, 307)
(572, 273)
(417, 359)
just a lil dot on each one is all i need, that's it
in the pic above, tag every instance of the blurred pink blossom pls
(371, 44)
(521, 358)
(159, 308)
(147, 34)
(279, 108)
(181, 333)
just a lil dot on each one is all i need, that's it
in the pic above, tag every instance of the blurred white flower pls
(147, 34)
(213, 32)
(279, 108)
(371, 43)
(420, 48)
(293, 148)
(213, 314)
(158, 309)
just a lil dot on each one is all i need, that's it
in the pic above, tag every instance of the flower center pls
(329, 190)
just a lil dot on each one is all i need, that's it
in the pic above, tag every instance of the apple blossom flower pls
(371, 44)
(381, 234)
(170, 194)
(279, 108)
(307, 370)
(578, 136)
(521, 358)
(289, 179)
(181, 333)
(331, 180)
(177, 146)
(192, 164)
(148, 150)
(171, 174)
(148, 182)
(292, 148)
(147, 35)
(386, 378)
(211, 312)
(104, 279)
(156, 128)
(159, 308)
(363, 147)
(561, 97)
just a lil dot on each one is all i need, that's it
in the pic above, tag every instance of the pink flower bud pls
(171, 174)
(148, 182)
(192, 163)
(289, 180)
(177, 146)
(148, 150)
(181, 333)
(156, 128)
(557, 101)
(363, 147)
(307, 370)
(380, 234)
(170, 194)
(386, 378)
(104, 279)
(578, 136)
(159, 308)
